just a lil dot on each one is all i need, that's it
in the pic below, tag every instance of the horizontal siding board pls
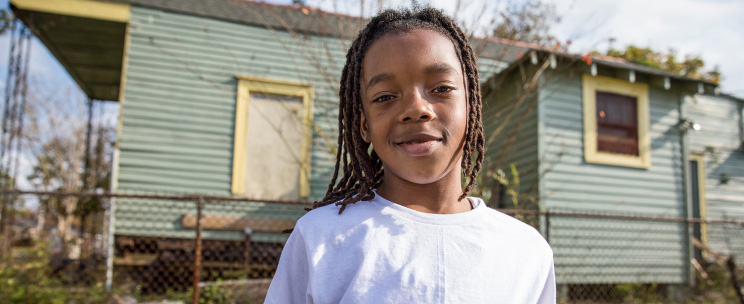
(602, 182)
(182, 150)
(191, 138)
(159, 164)
(600, 200)
(214, 73)
(133, 156)
(198, 30)
(150, 120)
(572, 164)
(149, 177)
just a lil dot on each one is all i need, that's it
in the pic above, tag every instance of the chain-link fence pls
(614, 258)
(217, 249)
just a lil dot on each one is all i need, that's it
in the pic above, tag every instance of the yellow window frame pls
(590, 86)
(248, 85)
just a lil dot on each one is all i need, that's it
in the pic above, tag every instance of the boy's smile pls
(415, 109)
(419, 144)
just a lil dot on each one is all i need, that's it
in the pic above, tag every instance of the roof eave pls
(58, 24)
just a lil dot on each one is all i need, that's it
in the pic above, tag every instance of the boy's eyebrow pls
(439, 68)
(431, 69)
(378, 78)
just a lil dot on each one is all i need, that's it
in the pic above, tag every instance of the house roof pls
(294, 18)
(614, 62)
(302, 20)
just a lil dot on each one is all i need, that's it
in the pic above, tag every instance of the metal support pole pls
(109, 213)
(111, 220)
(198, 251)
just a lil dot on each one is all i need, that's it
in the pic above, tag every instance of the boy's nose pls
(417, 108)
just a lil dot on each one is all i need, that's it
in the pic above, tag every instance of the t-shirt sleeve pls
(289, 284)
(548, 295)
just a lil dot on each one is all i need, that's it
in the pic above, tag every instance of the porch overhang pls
(87, 37)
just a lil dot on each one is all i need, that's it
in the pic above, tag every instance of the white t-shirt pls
(382, 252)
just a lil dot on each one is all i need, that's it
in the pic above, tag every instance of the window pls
(271, 155)
(615, 122)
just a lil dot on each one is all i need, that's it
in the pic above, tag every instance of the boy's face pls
(415, 109)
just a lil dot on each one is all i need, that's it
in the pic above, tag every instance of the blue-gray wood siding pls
(720, 142)
(611, 251)
(178, 113)
(510, 126)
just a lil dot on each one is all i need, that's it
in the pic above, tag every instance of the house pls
(604, 135)
(238, 98)
(222, 97)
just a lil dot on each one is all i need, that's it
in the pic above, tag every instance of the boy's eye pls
(443, 89)
(383, 98)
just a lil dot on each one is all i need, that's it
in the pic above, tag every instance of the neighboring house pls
(610, 136)
(239, 98)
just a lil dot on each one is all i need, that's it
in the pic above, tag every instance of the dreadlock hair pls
(362, 170)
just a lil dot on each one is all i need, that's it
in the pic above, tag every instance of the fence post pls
(247, 252)
(198, 251)
(109, 226)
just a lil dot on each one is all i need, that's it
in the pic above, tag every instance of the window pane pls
(617, 123)
(273, 146)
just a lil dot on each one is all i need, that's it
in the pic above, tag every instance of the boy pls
(397, 227)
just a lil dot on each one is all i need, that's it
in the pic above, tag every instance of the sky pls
(713, 30)
(709, 29)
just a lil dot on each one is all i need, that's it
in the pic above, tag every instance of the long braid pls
(362, 171)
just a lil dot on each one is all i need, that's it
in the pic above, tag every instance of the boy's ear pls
(364, 127)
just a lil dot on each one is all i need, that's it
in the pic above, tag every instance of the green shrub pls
(27, 278)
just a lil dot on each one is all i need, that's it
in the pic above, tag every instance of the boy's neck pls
(440, 197)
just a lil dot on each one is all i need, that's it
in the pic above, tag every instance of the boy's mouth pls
(419, 144)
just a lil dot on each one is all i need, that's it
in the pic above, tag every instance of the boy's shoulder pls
(328, 217)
